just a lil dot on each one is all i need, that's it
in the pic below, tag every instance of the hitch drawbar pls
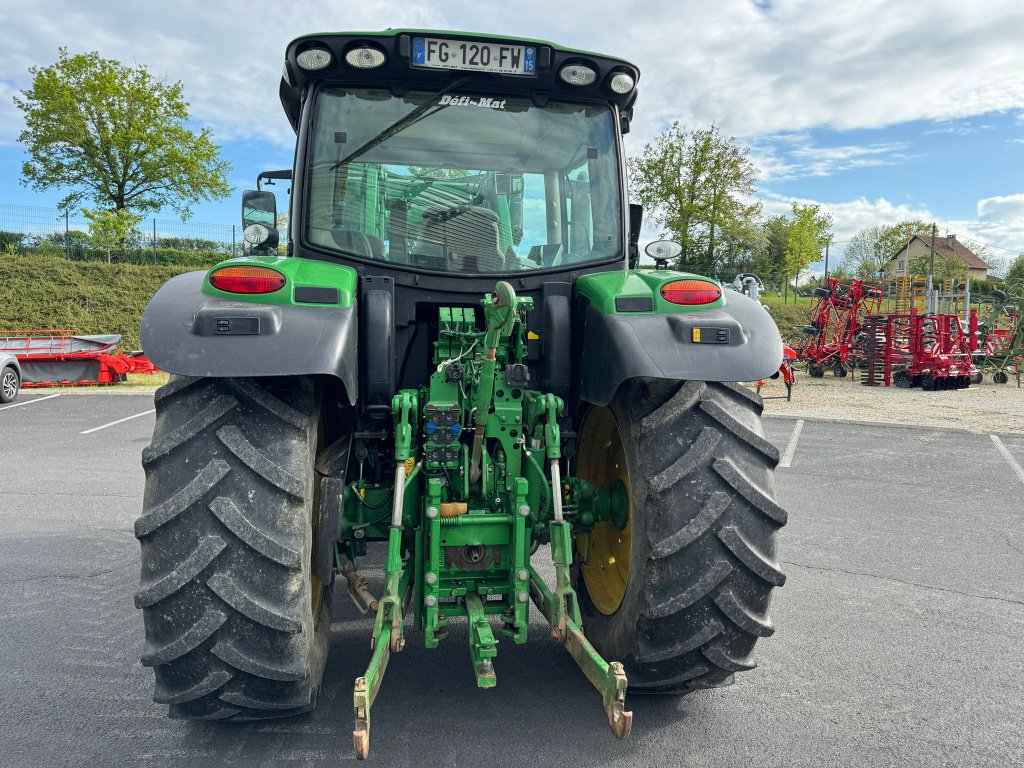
(469, 498)
(559, 607)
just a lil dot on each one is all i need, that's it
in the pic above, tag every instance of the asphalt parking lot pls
(900, 632)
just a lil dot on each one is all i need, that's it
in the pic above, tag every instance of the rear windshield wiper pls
(401, 124)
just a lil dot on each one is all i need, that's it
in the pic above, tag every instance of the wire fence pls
(39, 229)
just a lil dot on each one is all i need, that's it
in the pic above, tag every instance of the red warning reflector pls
(247, 280)
(690, 292)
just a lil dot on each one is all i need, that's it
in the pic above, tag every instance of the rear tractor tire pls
(236, 622)
(680, 593)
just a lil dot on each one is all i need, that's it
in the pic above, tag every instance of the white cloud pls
(755, 68)
(999, 222)
(228, 55)
(782, 160)
(1007, 207)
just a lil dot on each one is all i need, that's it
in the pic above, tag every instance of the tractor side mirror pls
(259, 207)
(636, 220)
(259, 221)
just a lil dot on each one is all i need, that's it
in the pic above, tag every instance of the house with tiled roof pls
(945, 248)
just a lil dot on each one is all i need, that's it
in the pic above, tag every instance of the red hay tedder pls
(51, 358)
(835, 324)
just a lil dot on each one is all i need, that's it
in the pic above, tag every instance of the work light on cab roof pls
(313, 59)
(365, 57)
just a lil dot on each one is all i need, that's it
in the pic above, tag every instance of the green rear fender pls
(631, 331)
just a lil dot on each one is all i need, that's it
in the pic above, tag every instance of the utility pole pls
(933, 303)
(67, 234)
(826, 263)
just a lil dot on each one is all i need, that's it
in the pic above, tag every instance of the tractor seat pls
(468, 232)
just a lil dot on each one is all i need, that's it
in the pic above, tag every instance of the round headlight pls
(313, 59)
(621, 82)
(365, 58)
(256, 234)
(577, 74)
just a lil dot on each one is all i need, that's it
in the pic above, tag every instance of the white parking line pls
(1009, 457)
(29, 402)
(787, 457)
(119, 421)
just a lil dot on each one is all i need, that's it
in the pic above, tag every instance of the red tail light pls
(690, 292)
(247, 280)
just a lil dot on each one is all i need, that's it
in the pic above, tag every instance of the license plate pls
(435, 53)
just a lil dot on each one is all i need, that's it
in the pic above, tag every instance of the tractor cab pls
(457, 155)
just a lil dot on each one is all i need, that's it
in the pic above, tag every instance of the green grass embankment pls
(51, 292)
(789, 317)
(47, 292)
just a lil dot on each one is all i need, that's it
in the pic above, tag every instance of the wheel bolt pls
(431, 600)
(431, 578)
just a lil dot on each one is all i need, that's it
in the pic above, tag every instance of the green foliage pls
(190, 244)
(872, 247)
(946, 267)
(770, 261)
(113, 231)
(91, 297)
(1014, 279)
(11, 242)
(174, 257)
(841, 272)
(985, 287)
(697, 184)
(809, 233)
(115, 135)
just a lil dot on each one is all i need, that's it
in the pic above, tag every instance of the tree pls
(115, 135)
(808, 234)
(697, 184)
(865, 254)
(112, 231)
(1015, 276)
(946, 267)
(871, 248)
(770, 262)
(895, 236)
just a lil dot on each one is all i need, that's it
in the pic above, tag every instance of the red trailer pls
(51, 358)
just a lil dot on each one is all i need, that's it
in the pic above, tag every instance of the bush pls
(190, 244)
(11, 242)
(175, 257)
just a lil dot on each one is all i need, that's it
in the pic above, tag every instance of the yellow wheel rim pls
(602, 461)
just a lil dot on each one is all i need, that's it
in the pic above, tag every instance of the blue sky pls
(877, 110)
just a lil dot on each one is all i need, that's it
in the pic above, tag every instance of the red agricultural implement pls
(835, 324)
(917, 349)
(60, 358)
(786, 372)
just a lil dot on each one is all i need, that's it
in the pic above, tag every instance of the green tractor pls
(453, 356)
